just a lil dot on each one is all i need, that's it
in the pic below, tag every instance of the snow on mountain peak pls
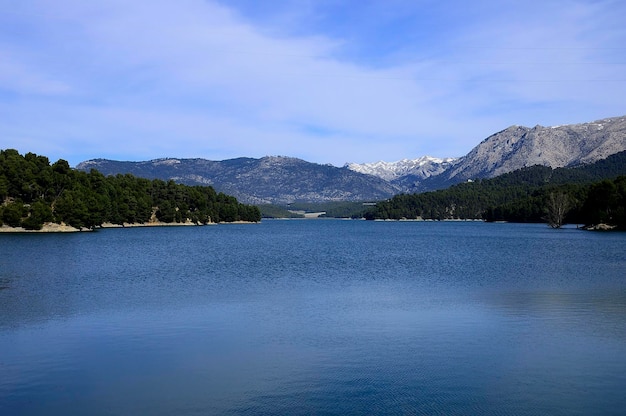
(422, 167)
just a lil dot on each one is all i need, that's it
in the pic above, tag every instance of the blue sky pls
(326, 81)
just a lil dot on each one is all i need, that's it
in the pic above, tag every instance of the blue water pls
(321, 317)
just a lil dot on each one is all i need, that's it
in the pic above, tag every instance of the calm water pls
(314, 317)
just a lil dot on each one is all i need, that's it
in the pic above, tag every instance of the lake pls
(323, 317)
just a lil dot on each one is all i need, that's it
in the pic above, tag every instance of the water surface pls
(314, 317)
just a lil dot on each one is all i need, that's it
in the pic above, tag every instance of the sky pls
(327, 81)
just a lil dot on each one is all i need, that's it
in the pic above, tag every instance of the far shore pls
(63, 228)
(146, 224)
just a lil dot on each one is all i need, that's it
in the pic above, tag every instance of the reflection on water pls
(315, 317)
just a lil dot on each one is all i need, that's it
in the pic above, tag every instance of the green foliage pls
(12, 213)
(606, 203)
(526, 195)
(35, 192)
(39, 214)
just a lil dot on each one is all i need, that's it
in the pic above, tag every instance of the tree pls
(12, 213)
(39, 214)
(598, 207)
(557, 207)
(166, 212)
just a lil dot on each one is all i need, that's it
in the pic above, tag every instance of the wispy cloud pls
(193, 78)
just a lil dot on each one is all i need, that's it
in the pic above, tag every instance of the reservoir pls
(314, 317)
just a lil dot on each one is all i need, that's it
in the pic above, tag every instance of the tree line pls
(33, 191)
(535, 194)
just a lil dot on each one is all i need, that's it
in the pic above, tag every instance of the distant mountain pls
(511, 149)
(405, 170)
(271, 179)
(283, 180)
(517, 147)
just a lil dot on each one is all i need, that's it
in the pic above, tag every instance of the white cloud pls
(194, 79)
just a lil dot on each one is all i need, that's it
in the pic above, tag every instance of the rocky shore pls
(51, 227)
(599, 227)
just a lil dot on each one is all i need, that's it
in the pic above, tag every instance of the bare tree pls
(558, 205)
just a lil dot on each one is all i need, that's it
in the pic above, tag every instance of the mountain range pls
(405, 174)
(511, 149)
(268, 180)
(284, 180)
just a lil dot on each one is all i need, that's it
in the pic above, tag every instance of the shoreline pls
(49, 227)
(63, 228)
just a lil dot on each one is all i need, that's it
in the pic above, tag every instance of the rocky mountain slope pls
(511, 149)
(272, 179)
(517, 147)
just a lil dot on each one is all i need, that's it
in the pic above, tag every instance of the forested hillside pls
(589, 194)
(277, 180)
(33, 192)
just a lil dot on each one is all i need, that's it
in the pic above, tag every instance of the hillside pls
(517, 147)
(34, 192)
(285, 180)
(269, 180)
(592, 193)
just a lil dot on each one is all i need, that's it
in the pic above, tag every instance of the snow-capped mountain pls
(420, 168)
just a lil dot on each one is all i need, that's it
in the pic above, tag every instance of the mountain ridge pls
(518, 147)
(268, 180)
(284, 180)
(514, 148)
(422, 167)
